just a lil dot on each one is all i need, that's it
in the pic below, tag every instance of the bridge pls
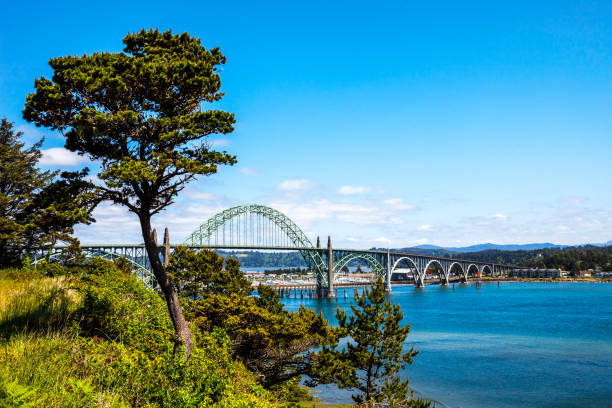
(257, 227)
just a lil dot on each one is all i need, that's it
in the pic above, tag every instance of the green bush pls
(46, 268)
(101, 339)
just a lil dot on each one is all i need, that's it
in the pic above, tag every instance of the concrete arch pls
(482, 270)
(435, 261)
(469, 268)
(461, 269)
(416, 276)
(404, 258)
(377, 268)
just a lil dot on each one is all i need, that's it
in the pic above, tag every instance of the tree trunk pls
(181, 326)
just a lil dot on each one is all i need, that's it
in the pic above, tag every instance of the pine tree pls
(372, 356)
(141, 113)
(20, 180)
(272, 342)
(37, 208)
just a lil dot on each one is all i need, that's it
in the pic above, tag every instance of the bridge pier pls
(330, 269)
(388, 277)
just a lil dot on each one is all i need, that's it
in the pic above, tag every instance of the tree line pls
(574, 259)
(570, 259)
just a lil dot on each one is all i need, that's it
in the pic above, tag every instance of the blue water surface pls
(512, 345)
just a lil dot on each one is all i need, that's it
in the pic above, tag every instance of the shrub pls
(110, 348)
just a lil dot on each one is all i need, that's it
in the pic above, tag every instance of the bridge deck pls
(293, 248)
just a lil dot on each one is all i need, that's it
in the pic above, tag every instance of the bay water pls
(513, 345)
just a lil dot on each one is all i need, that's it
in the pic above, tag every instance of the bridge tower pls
(388, 277)
(330, 268)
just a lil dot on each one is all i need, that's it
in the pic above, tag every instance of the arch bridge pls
(258, 227)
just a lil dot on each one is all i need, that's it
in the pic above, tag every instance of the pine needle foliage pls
(37, 208)
(273, 343)
(140, 114)
(371, 357)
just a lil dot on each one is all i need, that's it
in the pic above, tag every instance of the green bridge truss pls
(243, 226)
(137, 260)
(259, 227)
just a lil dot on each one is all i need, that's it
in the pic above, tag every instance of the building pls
(603, 274)
(538, 273)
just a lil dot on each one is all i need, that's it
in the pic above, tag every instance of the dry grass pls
(12, 288)
(320, 404)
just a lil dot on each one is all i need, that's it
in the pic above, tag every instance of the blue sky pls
(389, 123)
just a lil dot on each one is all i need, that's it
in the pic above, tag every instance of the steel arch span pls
(244, 224)
(376, 267)
(141, 271)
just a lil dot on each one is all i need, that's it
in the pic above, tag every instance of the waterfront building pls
(538, 273)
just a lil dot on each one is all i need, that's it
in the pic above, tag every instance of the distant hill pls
(549, 255)
(484, 247)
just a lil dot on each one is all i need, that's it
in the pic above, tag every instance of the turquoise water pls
(512, 345)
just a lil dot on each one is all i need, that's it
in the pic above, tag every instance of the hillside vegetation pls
(570, 259)
(98, 338)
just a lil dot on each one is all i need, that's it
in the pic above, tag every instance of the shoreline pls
(511, 280)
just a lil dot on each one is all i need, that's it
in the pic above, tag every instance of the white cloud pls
(349, 190)
(296, 185)
(399, 204)
(305, 212)
(573, 200)
(219, 142)
(383, 240)
(59, 156)
(248, 171)
(426, 227)
(32, 134)
(201, 195)
(114, 224)
(498, 216)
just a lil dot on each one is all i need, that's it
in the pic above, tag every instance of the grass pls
(34, 305)
(319, 404)
(59, 348)
(12, 283)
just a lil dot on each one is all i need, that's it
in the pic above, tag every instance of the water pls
(351, 268)
(516, 345)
